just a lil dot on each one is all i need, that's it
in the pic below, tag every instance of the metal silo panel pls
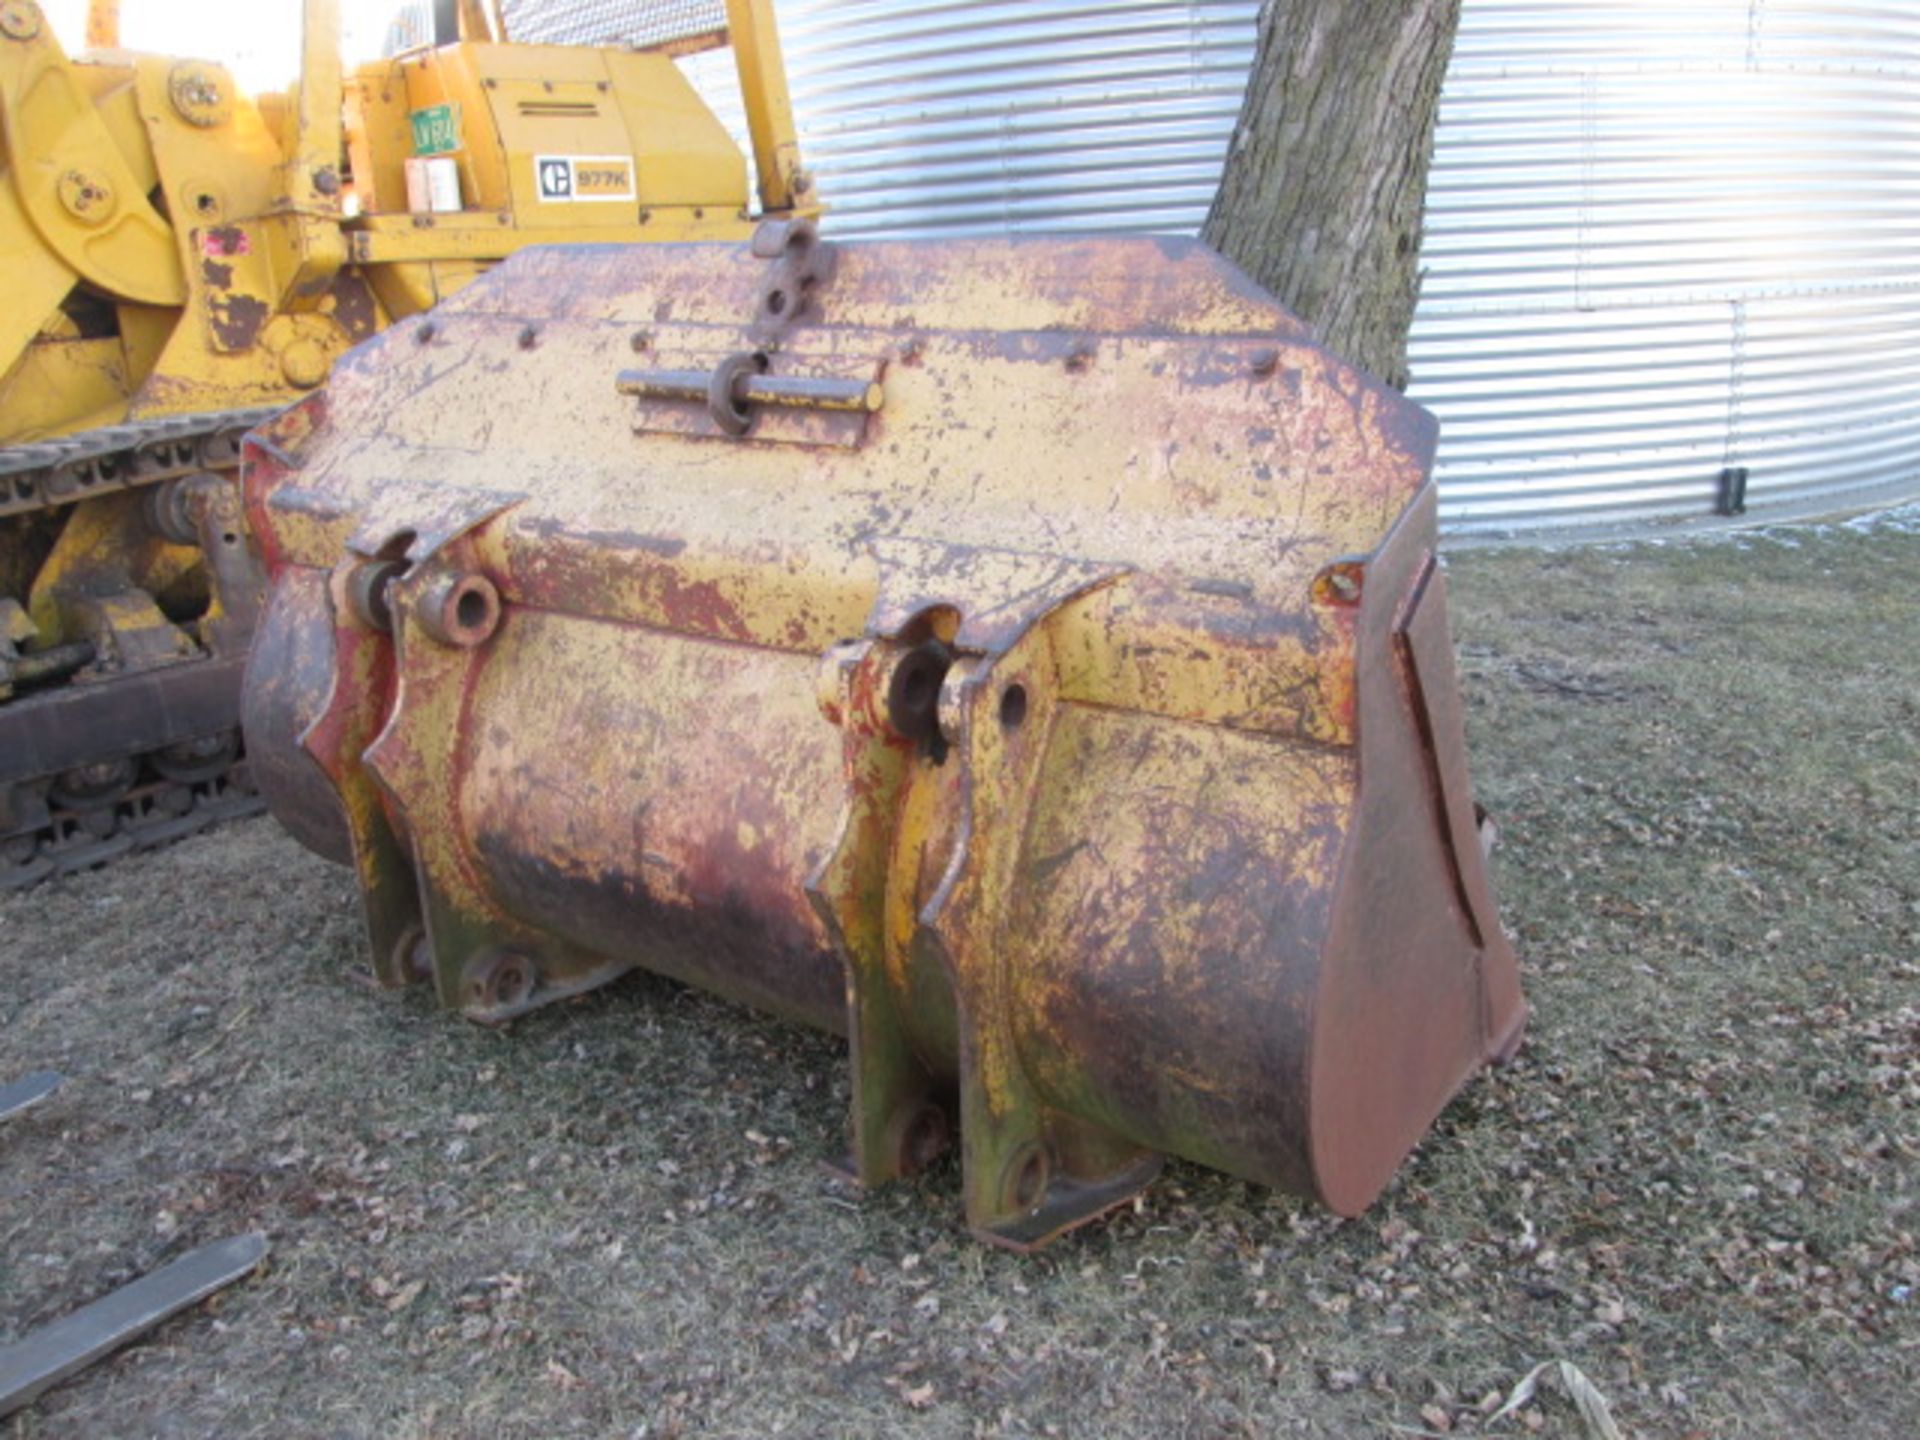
(1662, 239)
(1667, 240)
(923, 118)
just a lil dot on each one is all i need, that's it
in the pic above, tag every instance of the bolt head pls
(87, 196)
(200, 94)
(20, 20)
(305, 363)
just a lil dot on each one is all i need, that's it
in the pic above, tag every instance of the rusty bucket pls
(1026, 658)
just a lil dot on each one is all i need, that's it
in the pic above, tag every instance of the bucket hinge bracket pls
(914, 891)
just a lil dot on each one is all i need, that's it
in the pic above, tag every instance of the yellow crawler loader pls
(183, 261)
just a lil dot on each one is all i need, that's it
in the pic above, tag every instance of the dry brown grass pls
(1698, 1184)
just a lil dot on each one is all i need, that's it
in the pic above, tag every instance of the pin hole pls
(1013, 706)
(919, 688)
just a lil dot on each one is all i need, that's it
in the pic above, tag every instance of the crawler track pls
(95, 765)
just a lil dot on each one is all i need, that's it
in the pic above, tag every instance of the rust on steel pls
(1026, 658)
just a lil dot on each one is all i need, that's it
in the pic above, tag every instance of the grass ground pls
(1698, 1183)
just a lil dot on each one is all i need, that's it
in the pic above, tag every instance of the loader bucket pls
(1026, 658)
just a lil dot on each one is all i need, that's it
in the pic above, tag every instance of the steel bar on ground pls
(57, 1351)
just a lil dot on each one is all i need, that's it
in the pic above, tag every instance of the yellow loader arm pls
(73, 206)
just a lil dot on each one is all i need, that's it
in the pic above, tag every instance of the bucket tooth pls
(1031, 663)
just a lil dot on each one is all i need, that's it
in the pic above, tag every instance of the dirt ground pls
(1698, 1183)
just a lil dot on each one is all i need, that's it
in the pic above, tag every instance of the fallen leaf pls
(1596, 1417)
(405, 1295)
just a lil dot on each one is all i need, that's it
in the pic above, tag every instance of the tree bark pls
(1327, 175)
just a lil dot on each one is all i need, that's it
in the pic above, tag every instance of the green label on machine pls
(436, 129)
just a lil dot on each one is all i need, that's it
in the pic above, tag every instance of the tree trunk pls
(1327, 175)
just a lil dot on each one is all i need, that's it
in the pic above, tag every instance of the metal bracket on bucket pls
(958, 670)
(740, 397)
(739, 394)
(409, 550)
